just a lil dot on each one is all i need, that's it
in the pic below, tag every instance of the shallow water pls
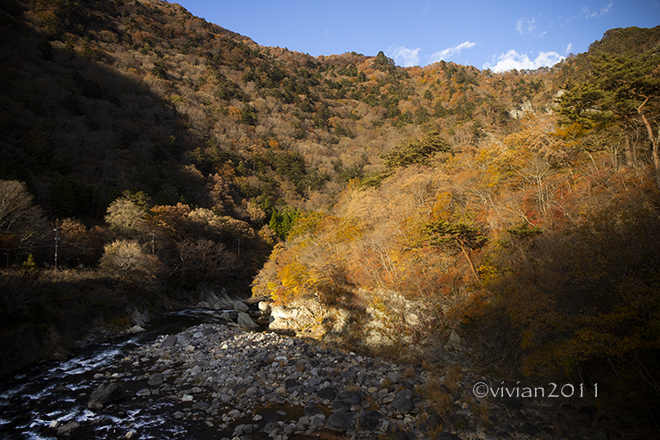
(30, 401)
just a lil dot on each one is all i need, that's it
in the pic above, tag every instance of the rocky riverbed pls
(218, 381)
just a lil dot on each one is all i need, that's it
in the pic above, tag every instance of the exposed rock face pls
(390, 320)
(520, 111)
(211, 300)
(303, 314)
(139, 319)
(244, 320)
(240, 306)
(454, 343)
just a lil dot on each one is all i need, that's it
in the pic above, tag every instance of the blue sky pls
(496, 35)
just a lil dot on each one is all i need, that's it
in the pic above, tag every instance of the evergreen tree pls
(622, 90)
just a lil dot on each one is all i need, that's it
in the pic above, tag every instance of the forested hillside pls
(192, 120)
(150, 155)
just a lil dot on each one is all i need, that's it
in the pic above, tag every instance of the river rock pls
(231, 315)
(169, 341)
(432, 422)
(369, 420)
(65, 430)
(403, 401)
(393, 377)
(240, 369)
(155, 380)
(62, 389)
(105, 394)
(328, 393)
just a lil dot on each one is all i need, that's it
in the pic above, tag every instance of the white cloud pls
(569, 48)
(444, 54)
(513, 60)
(403, 56)
(604, 10)
(525, 25)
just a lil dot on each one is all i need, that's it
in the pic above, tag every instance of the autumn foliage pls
(156, 154)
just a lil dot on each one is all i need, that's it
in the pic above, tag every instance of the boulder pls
(62, 389)
(389, 314)
(105, 394)
(136, 329)
(264, 306)
(65, 430)
(340, 420)
(244, 320)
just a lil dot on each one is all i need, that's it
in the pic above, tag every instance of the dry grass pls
(441, 400)
(409, 372)
(453, 378)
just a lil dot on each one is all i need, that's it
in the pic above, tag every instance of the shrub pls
(126, 260)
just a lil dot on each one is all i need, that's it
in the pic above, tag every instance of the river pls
(59, 391)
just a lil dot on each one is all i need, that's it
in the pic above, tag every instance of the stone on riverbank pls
(340, 420)
(223, 377)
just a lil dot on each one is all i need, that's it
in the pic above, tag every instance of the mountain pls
(127, 95)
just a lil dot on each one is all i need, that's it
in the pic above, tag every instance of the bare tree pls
(21, 221)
